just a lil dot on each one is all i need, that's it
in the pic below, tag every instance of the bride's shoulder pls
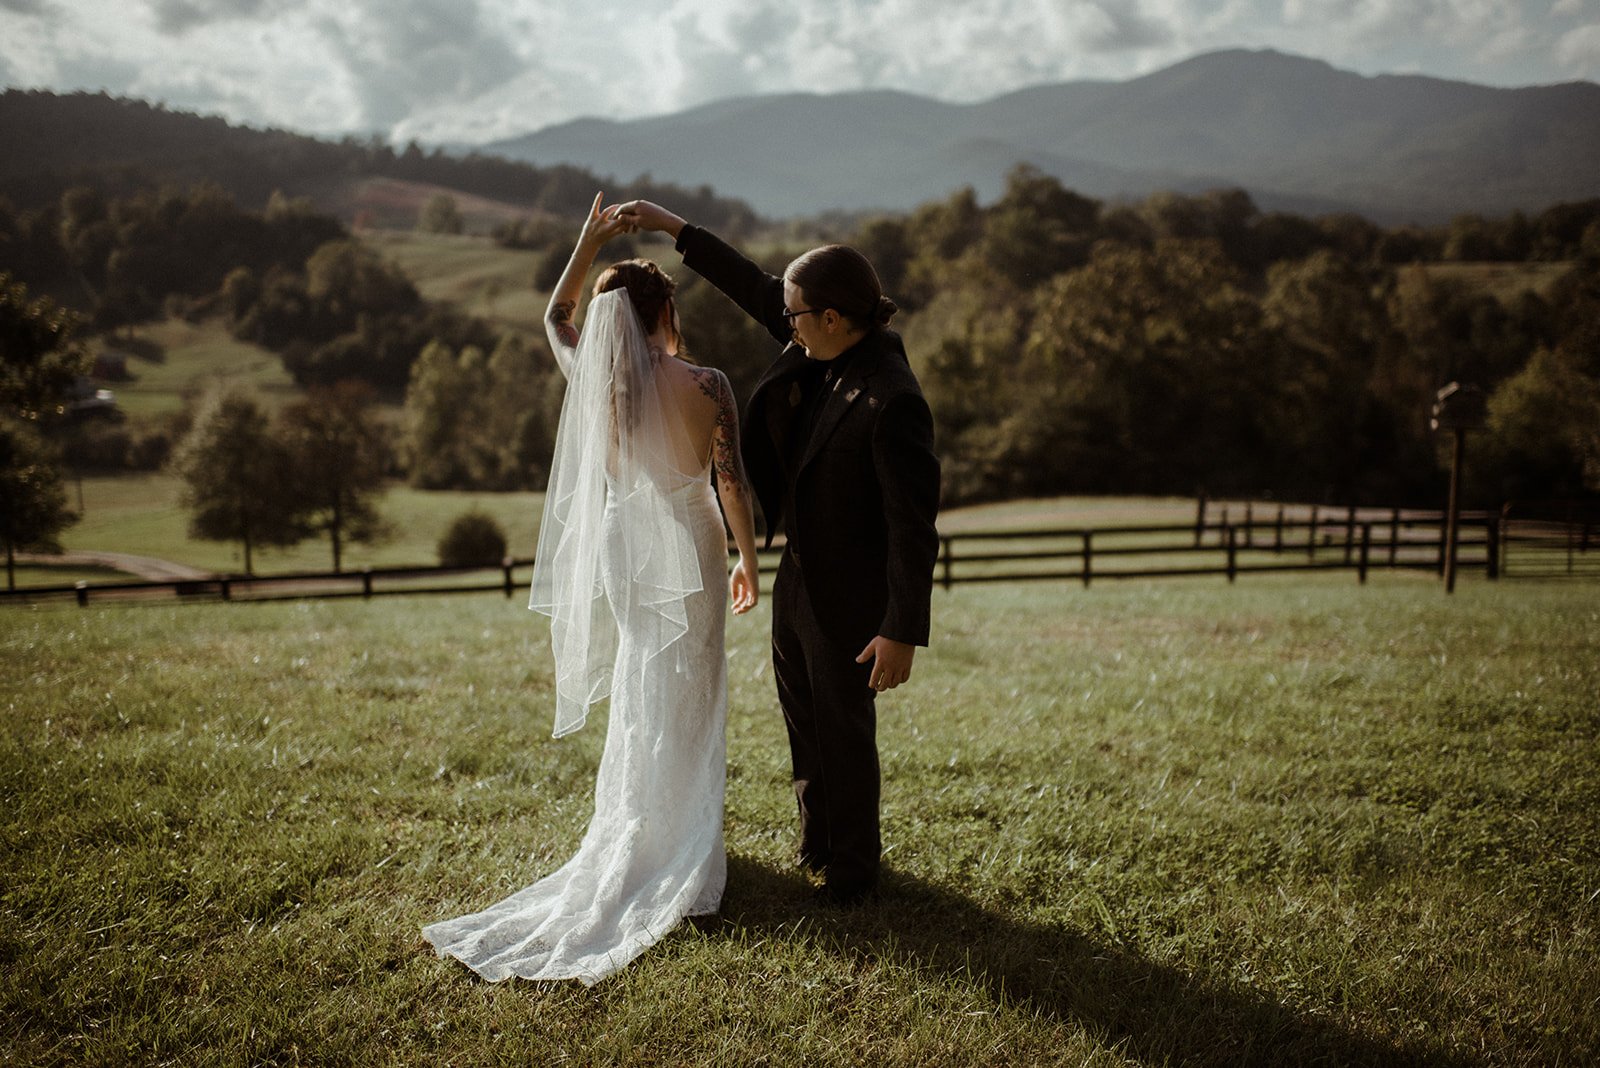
(712, 384)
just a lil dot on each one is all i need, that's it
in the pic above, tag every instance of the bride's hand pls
(602, 226)
(744, 586)
(643, 215)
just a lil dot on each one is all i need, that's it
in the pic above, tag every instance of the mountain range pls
(1297, 133)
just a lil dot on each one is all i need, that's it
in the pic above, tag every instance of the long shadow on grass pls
(1153, 1011)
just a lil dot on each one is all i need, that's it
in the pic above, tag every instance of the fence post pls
(1277, 532)
(1226, 526)
(1505, 538)
(1491, 530)
(1249, 525)
(1311, 535)
(947, 543)
(1233, 568)
(1199, 519)
(1366, 549)
(1394, 535)
(83, 593)
(1349, 533)
(1088, 553)
(366, 583)
(226, 588)
(505, 565)
(1444, 539)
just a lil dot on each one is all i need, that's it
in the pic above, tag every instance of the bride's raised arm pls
(598, 228)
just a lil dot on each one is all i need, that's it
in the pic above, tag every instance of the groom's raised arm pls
(747, 285)
(757, 292)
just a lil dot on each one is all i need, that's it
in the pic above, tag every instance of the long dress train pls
(653, 852)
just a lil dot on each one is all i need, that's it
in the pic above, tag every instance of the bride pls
(630, 568)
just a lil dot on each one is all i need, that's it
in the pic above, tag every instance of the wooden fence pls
(1238, 540)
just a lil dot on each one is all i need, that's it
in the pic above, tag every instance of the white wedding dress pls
(635, 567)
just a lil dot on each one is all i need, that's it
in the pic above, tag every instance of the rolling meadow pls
(1285, 822)
(1291, 820)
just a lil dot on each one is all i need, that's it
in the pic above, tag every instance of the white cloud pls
(468, 70)
(1579, 51)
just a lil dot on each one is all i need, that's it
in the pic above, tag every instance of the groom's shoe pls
(844, 897)
(815, 863)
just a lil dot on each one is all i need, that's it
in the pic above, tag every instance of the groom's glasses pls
(791, 316)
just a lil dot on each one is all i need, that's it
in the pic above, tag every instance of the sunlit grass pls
(197, 355)
(1289, 821)
(142, 515)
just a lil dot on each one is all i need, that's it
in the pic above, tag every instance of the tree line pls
(1066, 345)
(122, 146)
(1184, 342)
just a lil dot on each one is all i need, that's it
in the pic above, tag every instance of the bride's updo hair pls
(841, 278)
(649, 288)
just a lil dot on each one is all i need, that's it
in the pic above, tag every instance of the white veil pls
(616, 582)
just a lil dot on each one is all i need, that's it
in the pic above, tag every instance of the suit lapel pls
(847, 390)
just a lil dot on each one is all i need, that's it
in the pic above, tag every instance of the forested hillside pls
(1066, 344)
(53, 142)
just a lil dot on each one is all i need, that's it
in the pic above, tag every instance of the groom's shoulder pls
(893, 367)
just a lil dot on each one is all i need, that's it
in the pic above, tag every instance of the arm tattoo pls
(725, 438)
(560, 317)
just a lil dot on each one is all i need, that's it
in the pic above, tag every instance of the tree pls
(440, 215)
(39, 362)
(238, 477)
(475, 539)
(339, 457)
(33, 503)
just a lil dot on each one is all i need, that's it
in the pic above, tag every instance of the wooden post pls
(1199, 518)
(1455, 507)
(83, 593)
(1366, 549)
(1505, 537)
(1491, 530)
(505, 566)
(1222, 531)
(1088, 554)
(366, 582)
(1233, 565)
(1394, 535)
(224, 588)
(1311, 534)
(1349, 533)
(1277, 532)
(948, 545)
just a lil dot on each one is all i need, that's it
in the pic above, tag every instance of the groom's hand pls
(643, 215)
(891, 662)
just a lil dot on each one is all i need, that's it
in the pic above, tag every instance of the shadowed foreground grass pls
(1294, 821)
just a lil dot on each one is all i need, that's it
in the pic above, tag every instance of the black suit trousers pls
(831, 713)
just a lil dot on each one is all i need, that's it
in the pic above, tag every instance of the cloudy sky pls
(475, 70)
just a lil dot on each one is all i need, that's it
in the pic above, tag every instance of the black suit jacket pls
(866, 491)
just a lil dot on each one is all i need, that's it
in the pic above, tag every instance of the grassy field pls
(141, 514)
(474, 273)
(194, 355)
(1288, 822)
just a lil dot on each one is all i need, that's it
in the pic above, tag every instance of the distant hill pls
(1299, 134)
(53, 141)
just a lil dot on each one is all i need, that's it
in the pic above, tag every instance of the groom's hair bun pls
(841, 278)
(649, 288)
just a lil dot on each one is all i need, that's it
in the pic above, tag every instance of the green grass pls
(196, 355)
(1290, 821)
(1503, 281)
(141, 514)
(474, 273)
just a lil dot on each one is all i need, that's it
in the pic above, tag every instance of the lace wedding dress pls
(633, 566)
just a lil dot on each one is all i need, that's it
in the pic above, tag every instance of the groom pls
(838, 442)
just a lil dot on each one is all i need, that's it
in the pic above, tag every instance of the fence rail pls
(1263, 541)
